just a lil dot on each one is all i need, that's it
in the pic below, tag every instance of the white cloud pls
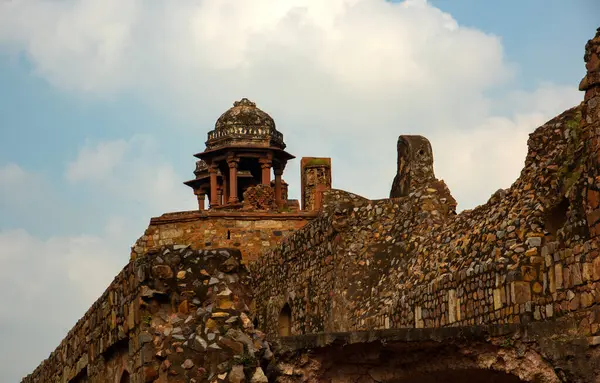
(14, 183)
(132, 171)
(48, 283)
(342, 78)
(46, 286)
(489, 156)
(97, 162)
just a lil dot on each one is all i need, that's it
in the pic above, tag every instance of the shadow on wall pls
(556, 217)
(459, 376)
(285, 321)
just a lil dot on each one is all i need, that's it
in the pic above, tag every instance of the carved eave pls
(221, 152)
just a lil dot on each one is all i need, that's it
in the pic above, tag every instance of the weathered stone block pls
(558, 276)
(521, 292)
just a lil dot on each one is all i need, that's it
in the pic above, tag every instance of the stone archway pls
(417, 362)
(125, 378)
(460, 376)
(284, 324)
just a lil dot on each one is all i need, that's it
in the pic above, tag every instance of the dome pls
(245, 125)
(244, 113)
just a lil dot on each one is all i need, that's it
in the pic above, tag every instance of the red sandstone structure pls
(240, 153)
(398, 290)
(247, 209)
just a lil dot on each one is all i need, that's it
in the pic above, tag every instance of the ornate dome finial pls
(245, 102)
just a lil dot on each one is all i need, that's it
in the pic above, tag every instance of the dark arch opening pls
(556, 217)
(125, 377)
(285, 321)
(228, 234)
(459, 376)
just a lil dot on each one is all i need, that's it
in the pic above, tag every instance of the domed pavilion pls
(240, 153)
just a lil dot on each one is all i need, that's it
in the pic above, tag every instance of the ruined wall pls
(591, 131)
(176, 315)
(250, 232)
(526, 255)
(529, 256)
(454, 355)
(300, 272)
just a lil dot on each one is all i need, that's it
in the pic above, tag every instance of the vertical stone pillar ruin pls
(415, 165)
(590, 123)
(315, 173)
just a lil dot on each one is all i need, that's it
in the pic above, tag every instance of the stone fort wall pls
(530, 253)
(175, 315)
(250, 232)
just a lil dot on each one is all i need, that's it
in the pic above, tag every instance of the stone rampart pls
(250, 232)
(174, 315)
(525, 255)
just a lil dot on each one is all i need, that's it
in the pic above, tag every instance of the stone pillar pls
(214, 197)
(414, 166)
(314, 172)
(590, 124)
(278, 173)
(224, 190)
(233, 190)
(201, 195)
(220, 195)
(265, 165)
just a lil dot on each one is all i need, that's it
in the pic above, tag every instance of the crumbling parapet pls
(415, 176)
(415, 165)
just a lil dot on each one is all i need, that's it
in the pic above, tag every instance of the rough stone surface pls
(250, 232)
(175, 326)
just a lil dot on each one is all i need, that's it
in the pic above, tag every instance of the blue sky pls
(544, 38)
(103, 103)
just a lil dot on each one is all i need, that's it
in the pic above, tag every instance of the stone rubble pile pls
(259, 197)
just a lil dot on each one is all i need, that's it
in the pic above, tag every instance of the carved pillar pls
(220, 195)
(201, 195)
(214, 197)
(233, 189)
(265, 165)
(224, 190)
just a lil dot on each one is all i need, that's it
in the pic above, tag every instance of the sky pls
(104, 102)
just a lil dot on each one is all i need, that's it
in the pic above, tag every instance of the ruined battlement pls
(412, 262)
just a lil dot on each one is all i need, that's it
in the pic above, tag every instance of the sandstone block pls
(236, 375)
(521, 292)
(162, 272)
(259, 376)
(596, 269)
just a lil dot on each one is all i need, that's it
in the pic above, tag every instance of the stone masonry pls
(174, 315)
(250, 232)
